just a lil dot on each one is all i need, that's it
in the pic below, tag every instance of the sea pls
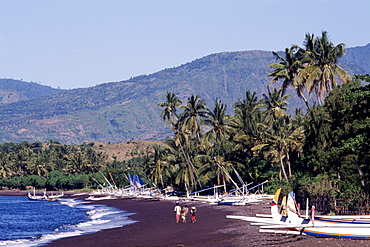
(36, 223)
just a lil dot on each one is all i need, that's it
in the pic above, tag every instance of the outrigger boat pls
(44, 197)
(195, 196)
(99, 198)
(54, 197)
(111, 191)
(239, 196)
(290, 222)
(35, 197)
(244, 199)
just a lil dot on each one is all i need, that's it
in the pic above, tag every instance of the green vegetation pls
(121, 111)
(313, 69)
(322, 154)
(52, 166)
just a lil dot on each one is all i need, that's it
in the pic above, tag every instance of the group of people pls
(182, 212)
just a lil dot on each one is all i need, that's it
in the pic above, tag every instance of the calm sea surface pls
(36, 223)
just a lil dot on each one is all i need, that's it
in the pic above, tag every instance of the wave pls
(99, 217)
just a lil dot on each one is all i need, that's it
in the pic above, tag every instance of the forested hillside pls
(121, 111)
(357, 59)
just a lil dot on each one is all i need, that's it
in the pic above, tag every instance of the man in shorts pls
(177, 211)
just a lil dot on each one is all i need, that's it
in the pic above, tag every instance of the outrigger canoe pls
(290, 222)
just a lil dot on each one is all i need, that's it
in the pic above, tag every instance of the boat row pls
(239, 196)
(137, 188)
(44, 196)
(287, 220)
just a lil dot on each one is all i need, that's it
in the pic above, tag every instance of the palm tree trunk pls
(161, 179)
(363, 183)
(305, 100)
(289, 166)
(191, 166)
(282, 166)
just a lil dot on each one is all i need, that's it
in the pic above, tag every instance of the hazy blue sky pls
(75, 43)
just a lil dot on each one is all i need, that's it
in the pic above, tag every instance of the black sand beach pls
(156, 226)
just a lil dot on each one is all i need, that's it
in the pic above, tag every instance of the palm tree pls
(320, 75)
(179, 153)
(278, 136)
(245, 110)
(247, 122)
(170, 107)
(37, 166)
(78, 163)
(95, 160)
(275, 103)
(21, 158)
(206, 169)
(5, 168)
(219, 123)
(282, 139)
(156, 165)
(192, 116)
(287, 70)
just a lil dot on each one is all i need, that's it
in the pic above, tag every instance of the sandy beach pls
(156, 226)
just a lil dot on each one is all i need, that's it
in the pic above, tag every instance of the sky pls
(81, 43)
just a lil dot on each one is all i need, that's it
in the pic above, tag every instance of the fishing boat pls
(241, 195)
(99, 198)
(44, 197)
(289, 221)
(244, 198)
(213, 198)
(35, 197)
(321, 226)
(53, 197)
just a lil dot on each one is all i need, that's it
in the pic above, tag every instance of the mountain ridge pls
(125, 110)
(12, 90)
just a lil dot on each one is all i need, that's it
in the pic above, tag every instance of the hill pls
(15, 90)
(127, 110)
(125, 150)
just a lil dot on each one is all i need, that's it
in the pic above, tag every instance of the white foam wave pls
(99, 217)
(97, 214)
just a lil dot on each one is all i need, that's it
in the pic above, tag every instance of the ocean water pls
(36, 223)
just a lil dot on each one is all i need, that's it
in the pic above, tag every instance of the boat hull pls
(352, 233)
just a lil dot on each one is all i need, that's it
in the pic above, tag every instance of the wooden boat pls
(35, 197)
(99, 198)
(290, 222)
(333, 228)
(244, 199)
(54, 197)
(240, 200)
(44, 197)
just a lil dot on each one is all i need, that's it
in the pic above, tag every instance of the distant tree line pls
(54, 166)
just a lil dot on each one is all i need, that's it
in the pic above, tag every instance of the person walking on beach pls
(184, 213)
(193, 213)
(177, 211)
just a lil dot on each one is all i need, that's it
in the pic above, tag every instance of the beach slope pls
(156, 226)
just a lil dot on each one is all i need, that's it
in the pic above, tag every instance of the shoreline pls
(156, 226)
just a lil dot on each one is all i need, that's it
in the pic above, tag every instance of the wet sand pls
(156, 226)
